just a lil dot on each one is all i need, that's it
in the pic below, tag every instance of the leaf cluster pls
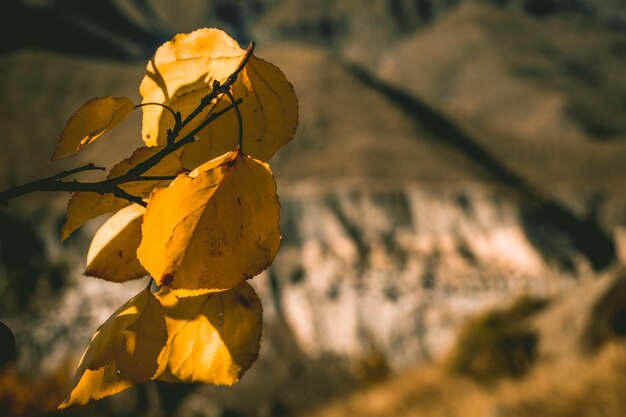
(196, 209)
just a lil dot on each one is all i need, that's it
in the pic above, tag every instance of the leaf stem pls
(120, 193)
(168, 108)
(87, 167)
(239, 119)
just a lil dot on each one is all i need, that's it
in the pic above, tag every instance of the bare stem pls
(87, 167)
(120, 193)
(239, 119)
(112, 185)
(166, 107)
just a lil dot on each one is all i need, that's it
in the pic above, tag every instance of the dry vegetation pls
(21, 397)
(583, 386)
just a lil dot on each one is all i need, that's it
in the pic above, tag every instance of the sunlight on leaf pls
(211, 221)
(123, 352)
(91, 120)
(270, 111)
(182, 72)
(214, 228)
(112, 254)
(212, 338)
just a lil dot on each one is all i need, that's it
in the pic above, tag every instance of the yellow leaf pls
(113, 251)
(84, 206)
(123, 351)
(182, 72)
(212, 338)
(91, 121)
(214, 228)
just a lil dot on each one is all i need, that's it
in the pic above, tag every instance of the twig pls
(142, 167)
(52, 183)
(87, 167)
(119, 193)
(168, 108)
(111, 185)
(239, 119)
(217, 89)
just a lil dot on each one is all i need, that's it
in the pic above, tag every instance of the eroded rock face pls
(391, 269)
(399, 269)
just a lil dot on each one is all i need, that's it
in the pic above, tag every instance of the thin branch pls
(52, 183)
(239, 119)
(119, 193)
(87, 167)
(139, 169)
(168, 108)
(217, 88)
(242, 64)
(111, 185)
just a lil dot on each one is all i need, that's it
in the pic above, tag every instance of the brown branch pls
(141, 168)
(166, 107)
(111, 185)
(87, 167)
(52, 183)
(120, 193)
(217, 89)
(239, 118)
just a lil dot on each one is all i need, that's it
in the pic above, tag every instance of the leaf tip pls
(64, 405)
(65, 232)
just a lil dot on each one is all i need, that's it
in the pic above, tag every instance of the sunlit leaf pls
(113, 251)
(123, 352)
(84, 206)
(91, 120)
(214, 228)
(212, 338)
(182, 72)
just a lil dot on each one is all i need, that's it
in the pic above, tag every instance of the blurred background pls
(453, 205)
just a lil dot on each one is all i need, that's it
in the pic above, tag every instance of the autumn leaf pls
(214, 228)
(123, 352)
(202, 234)
(91, 120)
(84, 206)
(182, 72)
(112, 254)
(212, 338)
